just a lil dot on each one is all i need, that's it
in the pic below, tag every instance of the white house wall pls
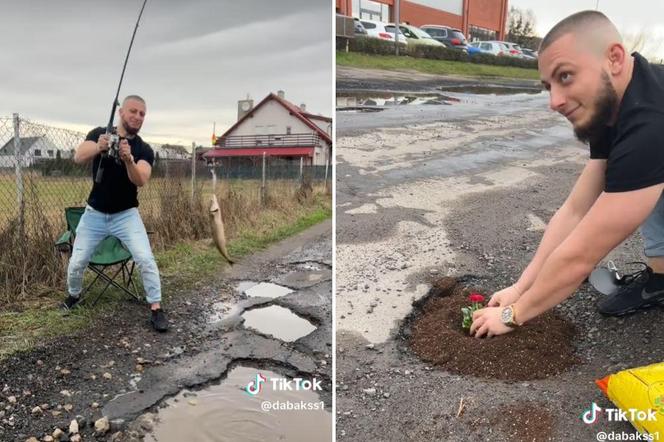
(271, 118)
(324, 125)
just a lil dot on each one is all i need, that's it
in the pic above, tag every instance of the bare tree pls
(521, 26)
(646, 42)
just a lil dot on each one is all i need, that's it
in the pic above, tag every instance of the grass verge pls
(439, 67)
(181, 266)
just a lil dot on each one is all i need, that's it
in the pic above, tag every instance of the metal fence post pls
(301, 168)
(263, 191)
(19, 173)
(193, 170)
(327, 163)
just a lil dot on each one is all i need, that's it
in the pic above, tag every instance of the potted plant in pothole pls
(476, 303)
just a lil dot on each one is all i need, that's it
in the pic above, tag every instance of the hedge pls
(376, 46)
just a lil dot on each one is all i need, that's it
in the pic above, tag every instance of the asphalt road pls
(462, 189)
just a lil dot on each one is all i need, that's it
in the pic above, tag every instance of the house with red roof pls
(275, 127)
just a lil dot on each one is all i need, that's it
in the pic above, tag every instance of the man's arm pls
(585, 192)
(89, 149)
(610, 220)
(138, 172)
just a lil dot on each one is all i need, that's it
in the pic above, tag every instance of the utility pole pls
(397, 20)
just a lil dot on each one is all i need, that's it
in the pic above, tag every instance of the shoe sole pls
(634, 309)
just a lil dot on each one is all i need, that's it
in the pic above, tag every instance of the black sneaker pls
(158, 320)
(70, 303)
(640, 290)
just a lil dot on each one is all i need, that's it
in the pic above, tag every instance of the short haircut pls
(585, 22)
(133, 97)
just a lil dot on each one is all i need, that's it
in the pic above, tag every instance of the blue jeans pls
(128, 227)
(652, 231)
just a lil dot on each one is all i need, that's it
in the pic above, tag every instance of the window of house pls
(37, 152)
(49, 153)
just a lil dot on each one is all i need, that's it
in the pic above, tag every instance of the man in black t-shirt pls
(615, 102)
(113, 205)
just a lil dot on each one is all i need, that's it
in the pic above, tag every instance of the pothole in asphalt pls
(376, 101)
(540, 349)
(264, 290)
(491, 89)
(226, 412)
(277, 321)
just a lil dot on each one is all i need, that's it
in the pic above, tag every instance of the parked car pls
(359, 27)
(415, 35)
(377, 29)
(514, 50)
(474, 48)
(496, 48)
(450, 37)
(530, 53)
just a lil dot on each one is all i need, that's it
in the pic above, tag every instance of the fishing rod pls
(113, 138)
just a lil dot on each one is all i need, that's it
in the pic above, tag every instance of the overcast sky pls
(629, 16)
(191, 60)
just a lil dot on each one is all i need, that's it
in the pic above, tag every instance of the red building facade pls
(483, 19)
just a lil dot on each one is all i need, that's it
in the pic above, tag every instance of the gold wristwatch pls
(508, 317)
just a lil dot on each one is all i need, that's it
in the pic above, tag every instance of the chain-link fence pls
(39, 179)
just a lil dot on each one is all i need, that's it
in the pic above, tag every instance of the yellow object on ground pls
(641, 389)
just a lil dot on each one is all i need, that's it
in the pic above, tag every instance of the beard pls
(606, 105)
(130, 130)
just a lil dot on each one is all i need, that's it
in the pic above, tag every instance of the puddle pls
(245, 285)
(494, 89)
(377, 101)
(222, 310)
(279, 322)
(266, 290)
(226, 412)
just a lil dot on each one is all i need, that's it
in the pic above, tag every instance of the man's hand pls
(125, 152)
(102, 143)
(505, 297)
(486, 321)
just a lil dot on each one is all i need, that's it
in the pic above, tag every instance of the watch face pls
(506, 315)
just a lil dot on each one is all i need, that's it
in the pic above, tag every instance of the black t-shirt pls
(634, 146)
(116, 192)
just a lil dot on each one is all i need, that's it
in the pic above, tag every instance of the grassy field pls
(181, 265)
(439, 67)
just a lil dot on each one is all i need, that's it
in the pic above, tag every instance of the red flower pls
(476, 297)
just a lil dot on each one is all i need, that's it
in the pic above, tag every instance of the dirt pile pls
(540, 349)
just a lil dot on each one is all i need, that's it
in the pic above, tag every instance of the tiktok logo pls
(590, 415)
(254, 387)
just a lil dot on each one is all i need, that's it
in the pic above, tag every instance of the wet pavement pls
(425, 191)
(263, 323)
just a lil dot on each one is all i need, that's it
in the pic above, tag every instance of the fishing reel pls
(114, 147)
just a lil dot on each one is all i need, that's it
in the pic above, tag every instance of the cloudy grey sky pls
(191, 60)
(629, 16)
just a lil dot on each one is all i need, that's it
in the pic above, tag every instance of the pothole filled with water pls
(226, 412)
(266, 290)
(277, 321)
(495, 89)
(540, 349)
(375, 101)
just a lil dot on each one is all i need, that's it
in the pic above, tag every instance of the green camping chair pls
(110, 252)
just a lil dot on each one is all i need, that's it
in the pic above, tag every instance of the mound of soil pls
(524, 422)
(540, 349)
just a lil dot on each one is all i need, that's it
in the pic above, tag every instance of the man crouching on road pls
(112, 206)
(615, 102)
